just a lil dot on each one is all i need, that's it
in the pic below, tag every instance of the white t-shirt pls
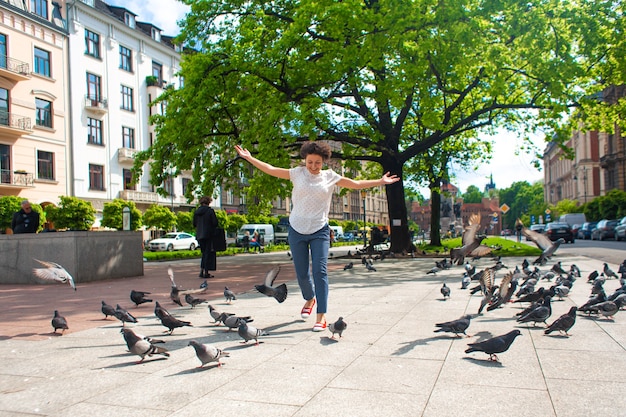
(311, 198)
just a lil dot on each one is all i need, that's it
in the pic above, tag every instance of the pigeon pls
(561, 291)
(465, 281)
(494, 345)
(124, 316)
(347, 266)
(608, 272)
(598, 298)
(370, 267)
(160, 311)
(215, 315)
(539, 314)
(232, 321)
(606, 308)
(433, 271)
(531, 297)
(208, 353)
(592, 276)
(139, 297)
(175, 292)
(563, 323)
(59, 322)
(445, 291)
(487, 287)
(54, 272)
(471, 243)
(140, 346)
(204, 285)
(558, 269)
(507, 287)
(544, 243)
(193, 301)
(229, 295)
(455, 326)
(248, 332)
(337, 327)
(279, 292)
(469, 268)
(574, 270)
(107, 310)
(172, 323)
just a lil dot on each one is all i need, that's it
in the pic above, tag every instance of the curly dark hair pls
(316, 148)
(205, 200)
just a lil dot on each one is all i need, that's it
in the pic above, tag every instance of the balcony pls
(139, 196)
(13, 69)
(16, 179)
(126, 155)
(96, 105)
(13, 125)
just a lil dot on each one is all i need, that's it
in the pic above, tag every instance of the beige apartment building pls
(34, 136)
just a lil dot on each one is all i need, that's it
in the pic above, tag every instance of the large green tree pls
(385, 80)
(72, 213)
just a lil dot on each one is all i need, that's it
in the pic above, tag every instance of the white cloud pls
(506, 166)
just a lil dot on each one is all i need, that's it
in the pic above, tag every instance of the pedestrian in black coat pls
(205, 222)
(26, 220)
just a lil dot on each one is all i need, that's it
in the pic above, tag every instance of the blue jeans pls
(317, 243)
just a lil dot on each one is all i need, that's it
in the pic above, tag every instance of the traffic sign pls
(504, 208)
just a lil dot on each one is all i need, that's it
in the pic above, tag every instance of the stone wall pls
(87, 256)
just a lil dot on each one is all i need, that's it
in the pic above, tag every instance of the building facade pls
(35, 159)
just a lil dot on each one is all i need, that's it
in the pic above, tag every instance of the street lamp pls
(585, 182)
(363, 195)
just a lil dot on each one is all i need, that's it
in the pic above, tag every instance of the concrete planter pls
(88, 256)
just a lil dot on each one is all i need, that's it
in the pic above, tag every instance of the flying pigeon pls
(229, 295)
(563, 323)
(279, 292)
(140, 346)
(59, 322)
(494, 345)
(54, 272)
(175, 292)
(471, 244)
(247, 332)
(124, 316)
(139, 297)
(544, 243)
(455, 326)
(107, 310)
(193, 301)
(208, 353)
(507, 287)
(445, 291)
(172, 323)
(337, 327)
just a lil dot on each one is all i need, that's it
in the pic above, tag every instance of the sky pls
(505, 166)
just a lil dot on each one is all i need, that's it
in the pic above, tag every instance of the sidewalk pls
(388, 363)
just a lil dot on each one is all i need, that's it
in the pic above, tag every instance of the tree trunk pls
(435, 213)
(398, 219)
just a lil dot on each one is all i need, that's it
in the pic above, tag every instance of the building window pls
(43, 112)
(5, 164)
(92, 44)
(93, 88)
(126, 56)
(156, 34)
(186, 182)
(45, 165)
(42, 62)
(157, 71)
(4, 107)
(128, 179)
(128, 137)
(129, 19)
(230, 197)
(94, 136)
(96, 177)
(127, 98)
(168, 186)
(39, 7)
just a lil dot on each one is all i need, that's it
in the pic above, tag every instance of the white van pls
(573, 218)
(338, 231)
(266, 231)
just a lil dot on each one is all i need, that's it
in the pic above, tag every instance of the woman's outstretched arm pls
(360, 184)
(263, 166)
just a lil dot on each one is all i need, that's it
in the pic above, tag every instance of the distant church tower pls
(491, 185)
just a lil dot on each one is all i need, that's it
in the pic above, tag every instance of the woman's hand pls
(244, 153)
(389, 179)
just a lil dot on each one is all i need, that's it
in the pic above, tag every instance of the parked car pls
(604, 230)
(575, 229)
(620, 229)
(557, 230)
(585, 230)
(173, 241)
(539, 228)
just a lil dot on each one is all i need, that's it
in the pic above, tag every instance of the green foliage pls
(159, 217)
(72, 213)
(184, 222)
(9, 204)
(523, 200)
(612, 205)
(564, 207)
(505, 247)
(112, 214)
(472, 195)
